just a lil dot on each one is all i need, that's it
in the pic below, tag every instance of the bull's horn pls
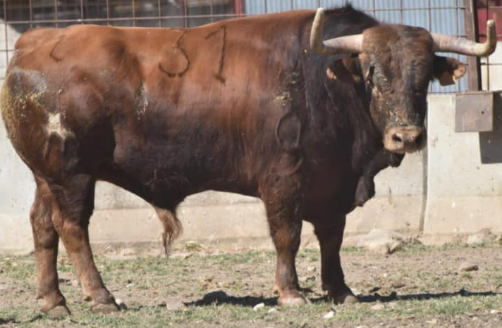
(448, 43)
(342, 45)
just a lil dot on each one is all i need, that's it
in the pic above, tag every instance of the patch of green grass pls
(467, 275)
(17, 267)
(353, 250)
(309, 254)
(413, 249)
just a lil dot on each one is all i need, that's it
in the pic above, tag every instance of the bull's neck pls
(348, 102)
(367, 139)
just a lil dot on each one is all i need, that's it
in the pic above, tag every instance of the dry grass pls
(418, 287)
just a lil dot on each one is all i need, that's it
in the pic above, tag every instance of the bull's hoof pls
(105, 308)
(347, 298)
(292, 300)
(59, 311)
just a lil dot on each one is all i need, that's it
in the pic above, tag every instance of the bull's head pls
(397, 63)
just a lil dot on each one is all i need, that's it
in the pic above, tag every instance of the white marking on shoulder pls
(55, 126)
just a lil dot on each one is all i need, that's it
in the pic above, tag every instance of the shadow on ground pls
(220, 297)
(420, 297)
(6, 321)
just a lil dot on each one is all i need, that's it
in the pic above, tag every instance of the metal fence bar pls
(81, 10)
(186, 13)
(159, 10)
(107, 12)
(211, 10)
(133, 7)
(31, 13)
(487, 58)
(56, 15)
(6, 19)
(121, 19)
(401, 19)
(457, 28)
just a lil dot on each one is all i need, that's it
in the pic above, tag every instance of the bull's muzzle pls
(404, 139)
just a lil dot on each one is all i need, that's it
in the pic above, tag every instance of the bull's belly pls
(169, 173)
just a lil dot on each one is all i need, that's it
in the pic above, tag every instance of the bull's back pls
(203, 101)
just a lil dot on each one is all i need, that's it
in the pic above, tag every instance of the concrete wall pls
(444, 190)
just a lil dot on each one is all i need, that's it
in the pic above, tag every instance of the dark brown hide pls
(241, 105)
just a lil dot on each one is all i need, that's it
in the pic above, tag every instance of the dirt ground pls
(417, 286)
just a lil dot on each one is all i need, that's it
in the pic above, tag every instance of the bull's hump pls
(36, 38)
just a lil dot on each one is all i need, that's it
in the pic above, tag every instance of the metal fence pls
(455, 17)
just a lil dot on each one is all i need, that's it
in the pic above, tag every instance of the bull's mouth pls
(404, 139)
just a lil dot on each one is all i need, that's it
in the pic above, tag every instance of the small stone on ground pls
(380, 241)
(329, 315)
(468, 266)
(258, 306)
(174, 303)
(478, 239)
(378, 307)
(128, 252)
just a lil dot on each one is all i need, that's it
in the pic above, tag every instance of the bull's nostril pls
(397, 138)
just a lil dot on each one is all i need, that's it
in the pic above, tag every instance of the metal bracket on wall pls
(474, 111)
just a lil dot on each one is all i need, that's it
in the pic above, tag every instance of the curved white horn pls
(342, 45)
(448, 43)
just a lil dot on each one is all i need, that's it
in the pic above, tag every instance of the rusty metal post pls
(6, 19)
(471, 31)
(107, 12)
(56, 14)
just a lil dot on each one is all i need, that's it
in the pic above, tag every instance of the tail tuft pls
(172, 228)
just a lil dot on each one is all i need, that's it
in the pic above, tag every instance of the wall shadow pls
(490, 143)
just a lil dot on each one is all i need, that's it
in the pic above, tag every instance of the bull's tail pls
(172, 228)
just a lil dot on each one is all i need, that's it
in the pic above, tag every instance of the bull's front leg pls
(329, 232)
(285, 221)
(286, 237)
(366, 185)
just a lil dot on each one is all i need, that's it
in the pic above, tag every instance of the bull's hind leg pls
(330, 238)
(46, 251)
(76, 203)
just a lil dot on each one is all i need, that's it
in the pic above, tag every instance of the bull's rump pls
(201, 103)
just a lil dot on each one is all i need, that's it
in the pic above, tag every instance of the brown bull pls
(259, 106)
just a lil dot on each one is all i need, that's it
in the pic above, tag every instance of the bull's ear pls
(344, 70)
(448, 70)
(337, 71)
